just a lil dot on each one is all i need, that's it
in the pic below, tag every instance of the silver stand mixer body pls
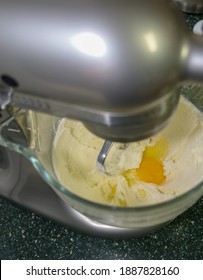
(123, 93)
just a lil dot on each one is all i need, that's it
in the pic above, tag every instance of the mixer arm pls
(111, 64)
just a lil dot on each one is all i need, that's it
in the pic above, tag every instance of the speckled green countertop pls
(25, 235)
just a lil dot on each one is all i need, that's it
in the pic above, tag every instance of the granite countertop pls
(25, 235)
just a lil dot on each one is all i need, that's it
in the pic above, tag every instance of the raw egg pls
(151, 169)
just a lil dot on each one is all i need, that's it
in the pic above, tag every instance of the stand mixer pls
(116, 66)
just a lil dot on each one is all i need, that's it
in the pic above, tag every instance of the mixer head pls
(111, 64)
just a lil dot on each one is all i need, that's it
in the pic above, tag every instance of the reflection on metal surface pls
(90, 44)
(198, 28)
(151, 42)
(190, 6)
(184, 52)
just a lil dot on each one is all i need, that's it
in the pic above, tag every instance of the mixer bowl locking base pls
(21, 184)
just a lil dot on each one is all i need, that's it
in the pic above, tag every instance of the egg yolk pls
(151, 168)
(151, 171)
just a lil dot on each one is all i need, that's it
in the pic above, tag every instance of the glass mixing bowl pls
(40, 129)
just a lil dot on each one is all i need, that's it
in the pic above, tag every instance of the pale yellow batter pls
(174, 157)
